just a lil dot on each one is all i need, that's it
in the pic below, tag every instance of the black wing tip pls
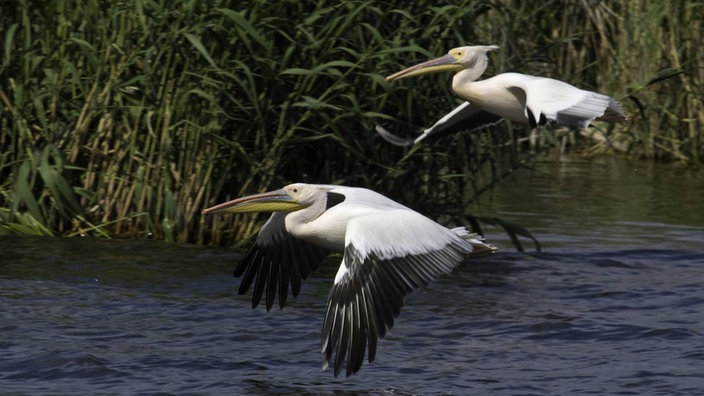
(533, 122)
(350, 369)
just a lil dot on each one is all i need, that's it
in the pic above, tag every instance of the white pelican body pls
(388, 251)
(517, 97)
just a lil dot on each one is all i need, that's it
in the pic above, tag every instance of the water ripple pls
(624, 321)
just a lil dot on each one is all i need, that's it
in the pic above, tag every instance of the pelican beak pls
(272, 201)
(443, 63)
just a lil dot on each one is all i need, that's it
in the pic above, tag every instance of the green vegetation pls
(126, 118)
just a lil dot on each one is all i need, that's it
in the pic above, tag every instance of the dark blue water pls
(612, 305)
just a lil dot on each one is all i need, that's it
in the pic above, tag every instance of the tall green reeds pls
(127, 118)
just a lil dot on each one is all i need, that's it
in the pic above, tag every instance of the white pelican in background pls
(518, 97)
(388, 251)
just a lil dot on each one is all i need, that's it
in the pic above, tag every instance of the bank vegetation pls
(127, 118)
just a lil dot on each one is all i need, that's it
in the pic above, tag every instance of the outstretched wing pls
(566, 105)
(275, 260)
(387, 256)
(464, 117)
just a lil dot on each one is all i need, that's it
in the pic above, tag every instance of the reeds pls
(128, 118)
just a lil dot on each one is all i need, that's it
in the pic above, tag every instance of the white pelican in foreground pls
(388, 251)
(518, 97)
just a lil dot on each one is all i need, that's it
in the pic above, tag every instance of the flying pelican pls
(388, 251)
(517, 97)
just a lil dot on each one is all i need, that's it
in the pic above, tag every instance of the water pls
(612, 305)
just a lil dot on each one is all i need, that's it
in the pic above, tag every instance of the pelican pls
(388, 251)
(517, 97)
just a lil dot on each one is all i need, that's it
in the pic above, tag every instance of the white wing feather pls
(558, 101)
(397, 233)
(387, 255)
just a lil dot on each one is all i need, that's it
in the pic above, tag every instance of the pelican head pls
(457, 59)
(288, 199)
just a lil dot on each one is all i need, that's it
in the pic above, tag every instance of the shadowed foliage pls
(127, 118)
